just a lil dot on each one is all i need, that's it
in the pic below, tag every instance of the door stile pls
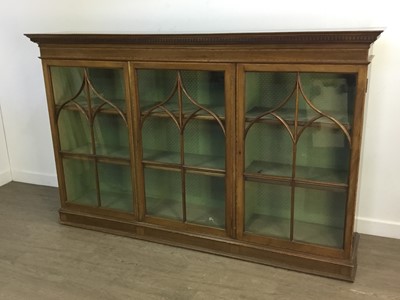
(136, 141)
(231, 145)
(240, 126)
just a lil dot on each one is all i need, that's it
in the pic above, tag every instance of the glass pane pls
(163, 193)
(67, 84)
(80, 181)
(111, 135)
(205, 89)
(155, 87)
(203, 92)
(205, 200)
(267, 209)
(109, 85)
(115, 186)
(204, 144)
(74, 132)
(161, 140)
(323, 154)
(268, 150)
(332, 93)
(319, 216)
(267, 91)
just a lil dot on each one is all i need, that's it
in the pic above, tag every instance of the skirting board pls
(378, 227)
(34, 178)
(5, 177)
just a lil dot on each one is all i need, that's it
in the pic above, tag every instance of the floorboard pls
(41, 259)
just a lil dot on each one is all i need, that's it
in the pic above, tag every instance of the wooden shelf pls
(109, 200)
(306, 232)
(200, 161)
(88, 198)
(82, 149)
(117, 200)
(83, 102)
(196, 214)
(310, 175)
(103, 153)
(112, 151)
(304, 116)
(187, 111)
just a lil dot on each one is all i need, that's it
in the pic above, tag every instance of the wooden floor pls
(40, 259)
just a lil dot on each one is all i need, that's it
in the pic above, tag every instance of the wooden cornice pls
(314, 37)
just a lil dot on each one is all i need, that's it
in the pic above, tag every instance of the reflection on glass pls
(205, 200)
(332, 93)
(267, 209)
(201, 92)
(111, 135)
(182, 119)
(270, 96)
(109, 85)
(204, 144)
(161, 140)
(268, 150)
(323, 154)
(115, 186)
(155, 87)
(206, 88)
(269, 90)
(80, 182)
(325, 108)
(105, 114)
(163, 193)
(319, 216)
(67, 83)
(74, 132)
(106, 87)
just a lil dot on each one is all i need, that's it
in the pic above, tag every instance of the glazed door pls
(185, 124)
(89, 105)
(296, 138)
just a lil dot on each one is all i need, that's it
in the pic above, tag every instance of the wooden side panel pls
(355, 156)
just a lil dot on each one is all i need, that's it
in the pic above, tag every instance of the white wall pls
(22, 92)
